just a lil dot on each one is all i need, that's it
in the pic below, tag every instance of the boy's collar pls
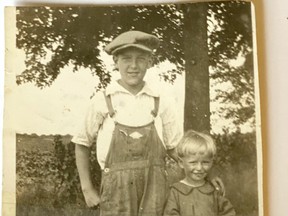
(116, 87)
(207, 188)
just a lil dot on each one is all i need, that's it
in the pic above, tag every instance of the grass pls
(42, 210)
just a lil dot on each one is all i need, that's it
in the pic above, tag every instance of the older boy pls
(129, 150)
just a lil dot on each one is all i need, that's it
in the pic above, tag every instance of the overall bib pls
(134, 178)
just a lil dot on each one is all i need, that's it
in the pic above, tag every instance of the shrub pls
(237, 162)
(50, 178)
(51, 175)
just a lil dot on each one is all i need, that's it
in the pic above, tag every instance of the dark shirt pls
(185, 200)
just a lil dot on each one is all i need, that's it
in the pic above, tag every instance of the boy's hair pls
(194, 142)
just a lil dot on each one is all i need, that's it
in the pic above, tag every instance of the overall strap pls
(156, 106)
(109, 104)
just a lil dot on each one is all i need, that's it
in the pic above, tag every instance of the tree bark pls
(197, 100)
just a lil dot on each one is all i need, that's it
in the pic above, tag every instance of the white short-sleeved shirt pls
(132, 110)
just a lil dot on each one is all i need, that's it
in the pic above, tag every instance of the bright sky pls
(57, 109)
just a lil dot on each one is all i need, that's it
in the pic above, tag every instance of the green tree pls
(230, 37)
(75, 35)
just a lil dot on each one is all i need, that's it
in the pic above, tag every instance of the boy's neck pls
(132, 89)
(193, 184)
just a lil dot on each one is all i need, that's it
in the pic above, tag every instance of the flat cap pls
(137, 39)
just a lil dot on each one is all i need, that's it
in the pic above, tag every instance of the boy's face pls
(132, 65)
(196, 167)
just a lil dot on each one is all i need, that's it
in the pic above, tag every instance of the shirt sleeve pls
(225, 207)
(172, 204)
(172, 130)
(92, 121)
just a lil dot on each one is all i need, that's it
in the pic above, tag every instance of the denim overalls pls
(134, 178)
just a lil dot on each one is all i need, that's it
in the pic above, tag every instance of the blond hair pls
(194, 142)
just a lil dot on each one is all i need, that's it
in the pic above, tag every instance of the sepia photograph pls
(131, 110)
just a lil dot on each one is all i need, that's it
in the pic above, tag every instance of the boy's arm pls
(85, 136)
(215, 179)
(172, 131)
(225, 207)
(171, 206)
(83, 165)
(218, 184)
(173, 154)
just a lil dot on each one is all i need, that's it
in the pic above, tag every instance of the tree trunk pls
(197, 109)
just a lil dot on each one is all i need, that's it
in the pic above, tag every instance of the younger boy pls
(194, 195)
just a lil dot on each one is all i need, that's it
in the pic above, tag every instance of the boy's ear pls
(150, 61)
(115, 59)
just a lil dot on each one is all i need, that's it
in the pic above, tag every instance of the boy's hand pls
(218, 185)
(172, 154)
(92, 197)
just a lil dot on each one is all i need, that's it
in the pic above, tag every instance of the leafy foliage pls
(53, 173)
(56, 37)
(230, 32)
(44, 178)
(237, 162)
(235, 147)
(232, 21)
(75, 35)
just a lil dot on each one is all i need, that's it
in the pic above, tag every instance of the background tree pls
(197, 99)
(230, 38)
(75, 35)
